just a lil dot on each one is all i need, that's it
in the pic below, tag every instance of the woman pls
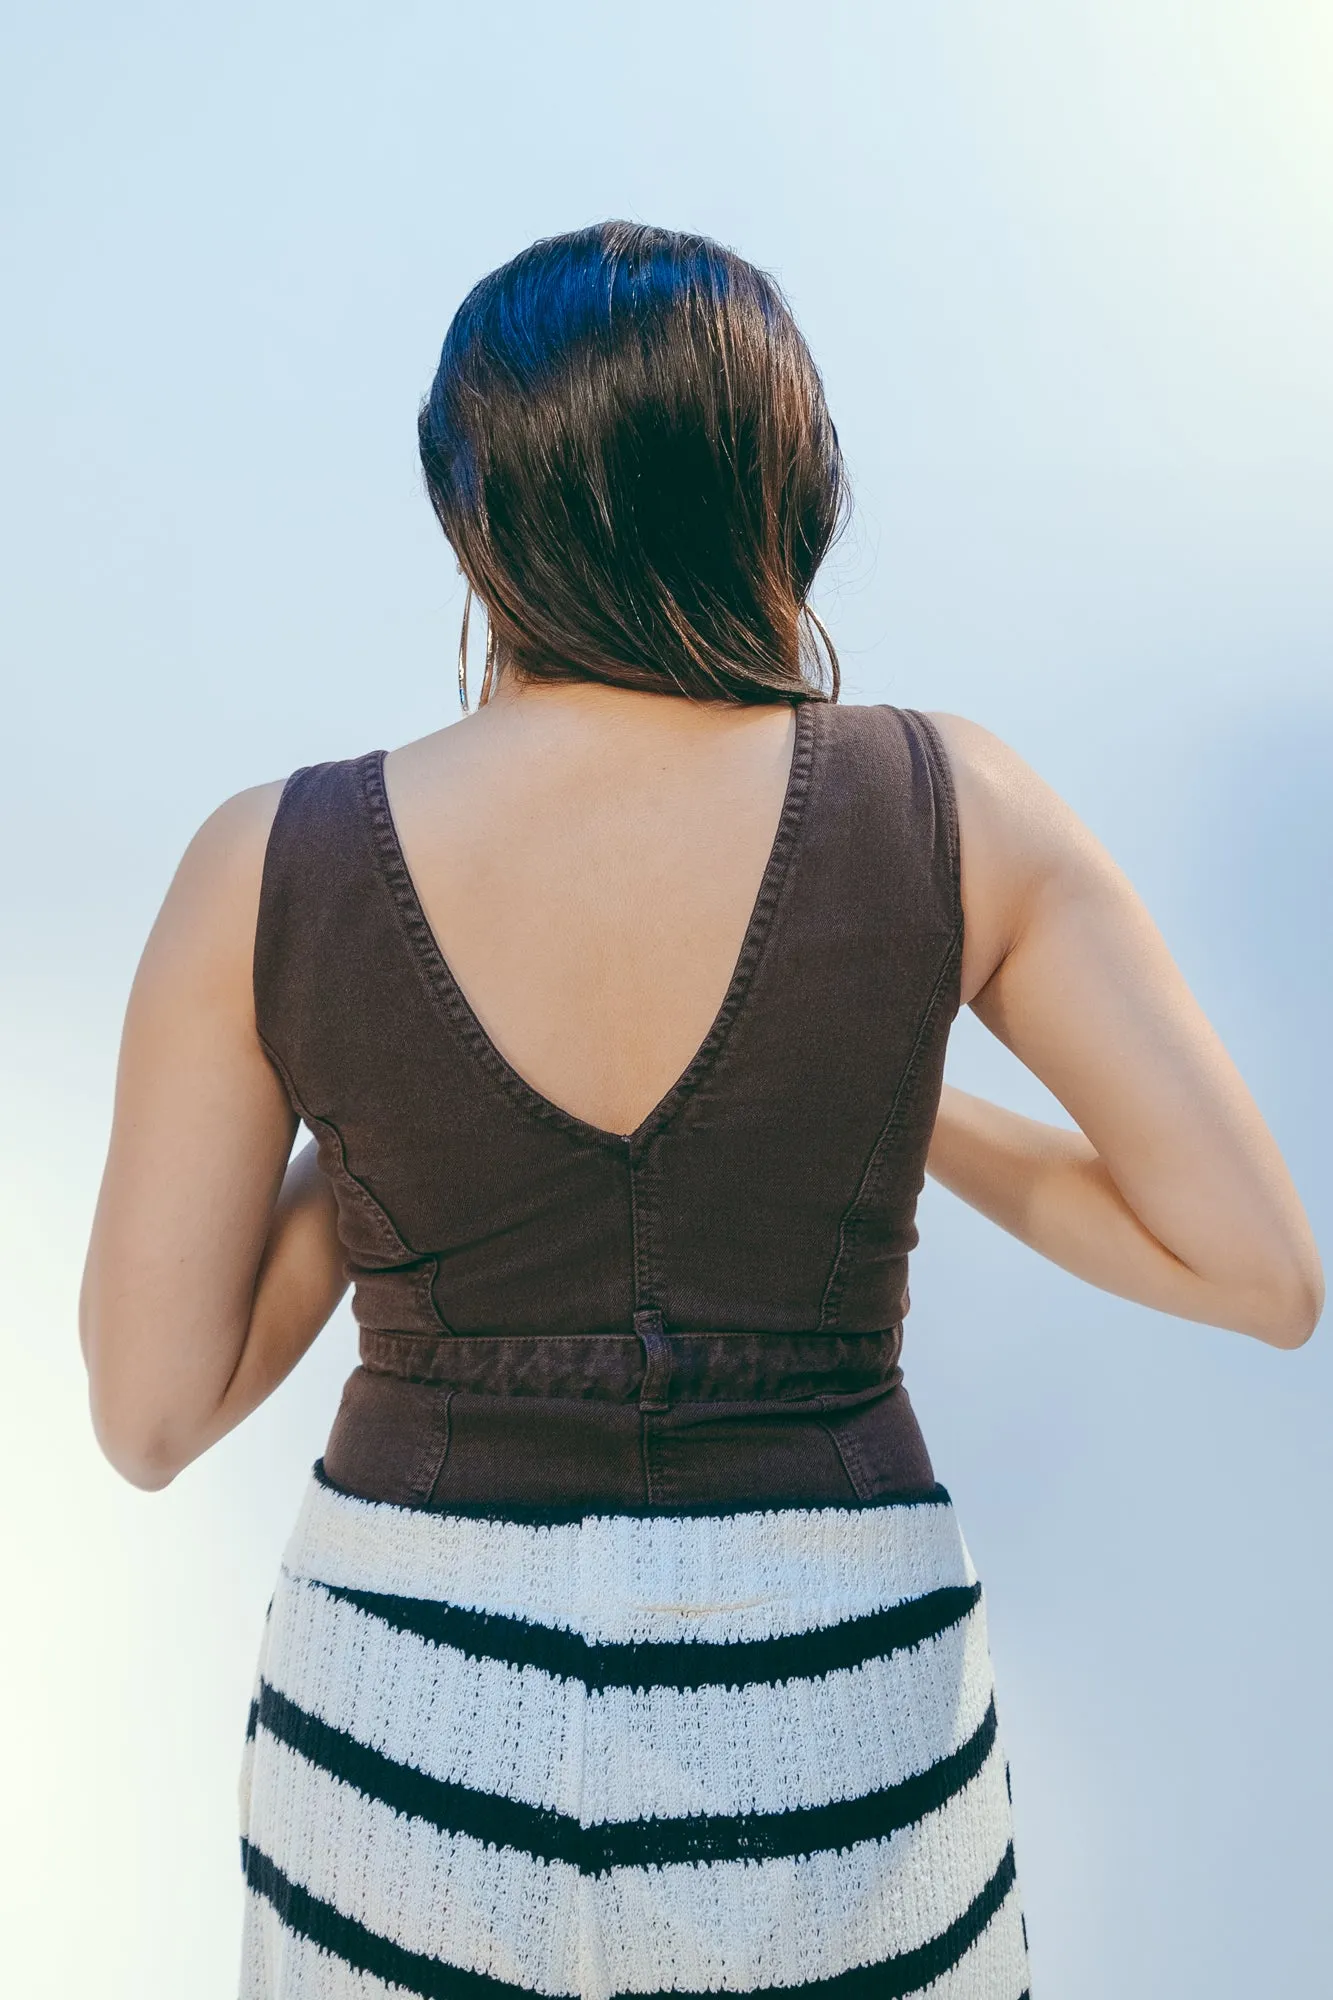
(625, 1642)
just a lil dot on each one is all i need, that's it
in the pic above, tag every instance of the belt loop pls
(657, 1374)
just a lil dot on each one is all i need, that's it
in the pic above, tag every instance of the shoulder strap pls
(934, 800)
(885, 813)
(319, 895)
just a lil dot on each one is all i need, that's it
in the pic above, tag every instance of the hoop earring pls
(488, 677)
(492, 655)
(830, 650)
(818, 624)
(462, 652)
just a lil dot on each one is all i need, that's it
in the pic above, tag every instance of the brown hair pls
(628, 447)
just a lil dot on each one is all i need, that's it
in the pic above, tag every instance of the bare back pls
(588, 866)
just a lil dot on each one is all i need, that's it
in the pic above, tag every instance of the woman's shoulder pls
(217, 884)
(1020, 843)
(994, 793)
(1019, 826)
(226, 853)
(237, 833)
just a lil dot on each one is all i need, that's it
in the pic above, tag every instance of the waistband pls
(655, 1420)
(651, 1366)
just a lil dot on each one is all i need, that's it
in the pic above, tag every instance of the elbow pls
(149, 1474)
(143, 1424)
(144, 1457)
(1293, 1328)
(141, 1464)
(139, 1467)
(1290, 1311)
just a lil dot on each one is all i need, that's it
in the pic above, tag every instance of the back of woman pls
(626, 1641)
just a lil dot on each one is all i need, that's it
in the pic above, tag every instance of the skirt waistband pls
(652, 1366)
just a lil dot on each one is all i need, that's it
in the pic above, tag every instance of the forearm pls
(1047, 1186)
(300, 1282)
(172, 1365)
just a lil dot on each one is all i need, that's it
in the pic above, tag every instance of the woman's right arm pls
(1172, 1192)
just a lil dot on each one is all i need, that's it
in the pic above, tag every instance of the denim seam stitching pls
(837, 1278)
(444, 1447)
(368, 1201)
(440, 983)
(855, 1471)
(939, 757)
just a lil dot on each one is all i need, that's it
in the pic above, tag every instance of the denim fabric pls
(769, 1196)
(426, 1445)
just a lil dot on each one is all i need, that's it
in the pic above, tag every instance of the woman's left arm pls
(213, 1262)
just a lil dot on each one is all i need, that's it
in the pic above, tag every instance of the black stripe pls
(678, 1663)
(892, 1978)
(365, 1950)
(547, 1835)
(539, 1515)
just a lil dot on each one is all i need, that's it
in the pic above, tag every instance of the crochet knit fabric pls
(628, 1753)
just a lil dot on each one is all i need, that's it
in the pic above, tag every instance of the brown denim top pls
(742, 1255)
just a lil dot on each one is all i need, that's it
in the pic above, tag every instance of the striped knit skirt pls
(629, 1753)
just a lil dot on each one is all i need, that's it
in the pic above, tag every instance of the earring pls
(488, 678)
(462, 652)
(818, 624)
(492, 651)
(830, 650)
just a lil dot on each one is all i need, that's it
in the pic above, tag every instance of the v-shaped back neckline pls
(449, 995)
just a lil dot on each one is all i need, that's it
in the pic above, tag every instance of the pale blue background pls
(1069, 273)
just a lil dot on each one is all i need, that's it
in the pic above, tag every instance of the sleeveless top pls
(772, 1191)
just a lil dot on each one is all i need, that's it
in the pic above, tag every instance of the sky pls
(1068, 274)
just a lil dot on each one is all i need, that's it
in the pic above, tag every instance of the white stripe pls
(777, 1923)
(734, 1925)
(445, 1896)
(278, 1963)
(722, 1751)
(996, 1968)
(474, 1722)
(622, 1754)
(619, 1577)
(243, 1776)
(243, 1783)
